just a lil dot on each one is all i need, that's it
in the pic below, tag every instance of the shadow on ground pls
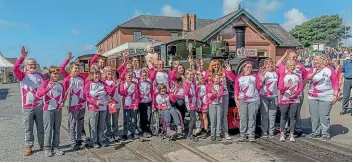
(3, 93)
(335, 129)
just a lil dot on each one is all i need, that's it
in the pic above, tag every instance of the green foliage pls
(328, 28)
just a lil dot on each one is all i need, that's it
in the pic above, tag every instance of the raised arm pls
(44, 88)
(16, 68)
(95, 57)
(282, 58)
(64, 64)
(229, 73)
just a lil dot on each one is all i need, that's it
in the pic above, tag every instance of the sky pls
(51, 28)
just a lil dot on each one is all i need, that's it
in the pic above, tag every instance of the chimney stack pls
(193, 22)
(186, 23)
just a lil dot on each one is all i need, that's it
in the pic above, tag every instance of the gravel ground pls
(155, 149)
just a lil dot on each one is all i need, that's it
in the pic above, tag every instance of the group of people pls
(201, 92)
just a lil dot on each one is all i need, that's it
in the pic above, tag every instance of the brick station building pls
(270, 39)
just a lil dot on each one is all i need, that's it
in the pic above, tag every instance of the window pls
(174, 35)
(137, 35)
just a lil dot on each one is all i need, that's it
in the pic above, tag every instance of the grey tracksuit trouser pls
(52, 124)
(320, 113)
(29, 117)
(247, 113)
(291, 110)
(97, 125)
(215, 113)
(112, 124)
(130, 122)
(224, 121)
(268, 110)
(76, 120)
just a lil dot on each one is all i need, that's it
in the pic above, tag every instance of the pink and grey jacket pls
(29, 85)
(290, 95)
(215, 98)
(190, 94)
(323, 85)
(269, 87)
(97, 91)
(53, 98)
(202, 97)
(162, 102)
(178, 93)
(130, 95)
(146, 91)
(74, 84)
(302, 72)
(158, 77)
(224, 77)
(246, 89)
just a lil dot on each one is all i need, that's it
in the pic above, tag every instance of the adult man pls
(301, 71)
(100, 61)
(347, 83)
(32, 107)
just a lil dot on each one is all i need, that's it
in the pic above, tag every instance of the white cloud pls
(168, 10)
(292, 18)
(75, 32)
(230, 6)
(263, 7)
(88, 47)
(4, 23)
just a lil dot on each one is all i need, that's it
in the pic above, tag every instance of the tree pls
(328, 28)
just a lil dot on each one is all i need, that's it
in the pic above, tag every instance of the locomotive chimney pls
(240, 34)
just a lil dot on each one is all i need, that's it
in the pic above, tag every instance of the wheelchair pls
(158, 125)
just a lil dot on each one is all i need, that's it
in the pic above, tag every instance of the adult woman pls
(290, 86)
(175, 76)
(215, 68)
(247, 97)
(322, 94)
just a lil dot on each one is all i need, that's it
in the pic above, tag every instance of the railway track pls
(197, 152)
(309, 151)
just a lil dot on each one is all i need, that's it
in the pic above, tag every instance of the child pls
(268, 92)
(53, 93)
(215, 93)
(190, 99)
(202, 103)
(162, 103)
(112, 124)
(32, 111)
(97, 93)
(74, 86)
(130, 93)
(145, 103)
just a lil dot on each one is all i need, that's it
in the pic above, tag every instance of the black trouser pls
(180, 105)
(192, 121)
(290, 109)
(145, 110)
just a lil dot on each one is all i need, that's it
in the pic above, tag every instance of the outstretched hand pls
(69, 55)
(24, 53)
(228, 68)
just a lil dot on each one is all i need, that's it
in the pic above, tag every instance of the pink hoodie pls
(290, 95)
(97, 91)
(53, 98)
(323, 85)
(269, 87)
(177, 94)
(130, 95)
(29, 84)
(246, 88)
(190, 94)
